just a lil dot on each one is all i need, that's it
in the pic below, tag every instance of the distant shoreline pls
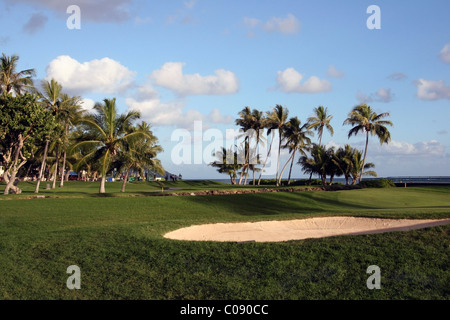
(438, 180)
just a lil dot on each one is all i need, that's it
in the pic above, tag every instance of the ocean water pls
(405, 179)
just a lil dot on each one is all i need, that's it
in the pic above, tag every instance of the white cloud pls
(87, 104)
(332, 144)
(445, 53)
(290, 80)
(382, 95)
(424, 148)
(172, 113)
(100, 76)
(334, 73)
(99, 11)
(216, 117)
(432, 90)
(288, 25)
(171, 76)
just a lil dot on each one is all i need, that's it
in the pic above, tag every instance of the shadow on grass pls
(275, 203)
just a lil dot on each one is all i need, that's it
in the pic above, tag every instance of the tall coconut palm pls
(12, 81)
(247, 121)
(296, 140)
(106, 131)
(277, 121)
(257, 126)
(50, 98)
(69, 112)
(364, 119)
(320, 120)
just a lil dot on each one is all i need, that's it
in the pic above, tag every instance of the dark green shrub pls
(377, 183)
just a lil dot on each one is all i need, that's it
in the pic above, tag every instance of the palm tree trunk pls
(365, 153)
(267, 158)
(102, 184)
(41, 171)
(290, 169)
(284, 167)
(55, 176)
(61, 184)
(278, 160)
(247, 152)
(125, 181)
(253, 169)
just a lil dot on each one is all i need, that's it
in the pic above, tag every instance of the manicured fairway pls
(118, 244)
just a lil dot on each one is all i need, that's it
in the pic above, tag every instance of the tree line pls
(295, 136)
(46, 133)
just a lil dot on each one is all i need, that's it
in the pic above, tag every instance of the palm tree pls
(332, 169)
(50, 98)
(227, 163)
(343, 160)
(12, 81)
(252, 123)
(257, 124)
(320, 120)
(296, 140)
(358, 167)
(139, 153)
(364, 119)
(106, 131)
(277, 121)
(68, 113)
(245, 122)
(320, 163)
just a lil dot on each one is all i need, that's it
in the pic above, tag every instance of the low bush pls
(377, 183)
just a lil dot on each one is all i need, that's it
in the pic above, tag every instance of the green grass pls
(118, 243)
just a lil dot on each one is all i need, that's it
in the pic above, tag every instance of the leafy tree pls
(23, 123)
(364, 119)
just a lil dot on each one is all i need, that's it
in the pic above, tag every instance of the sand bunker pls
(274, 231)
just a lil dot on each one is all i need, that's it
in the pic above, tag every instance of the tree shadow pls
(254, 204)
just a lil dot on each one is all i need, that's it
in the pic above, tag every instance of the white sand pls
(274, 231)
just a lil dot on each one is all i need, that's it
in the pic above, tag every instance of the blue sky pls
(181, 61)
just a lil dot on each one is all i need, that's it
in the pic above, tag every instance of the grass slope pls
(118, 244)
